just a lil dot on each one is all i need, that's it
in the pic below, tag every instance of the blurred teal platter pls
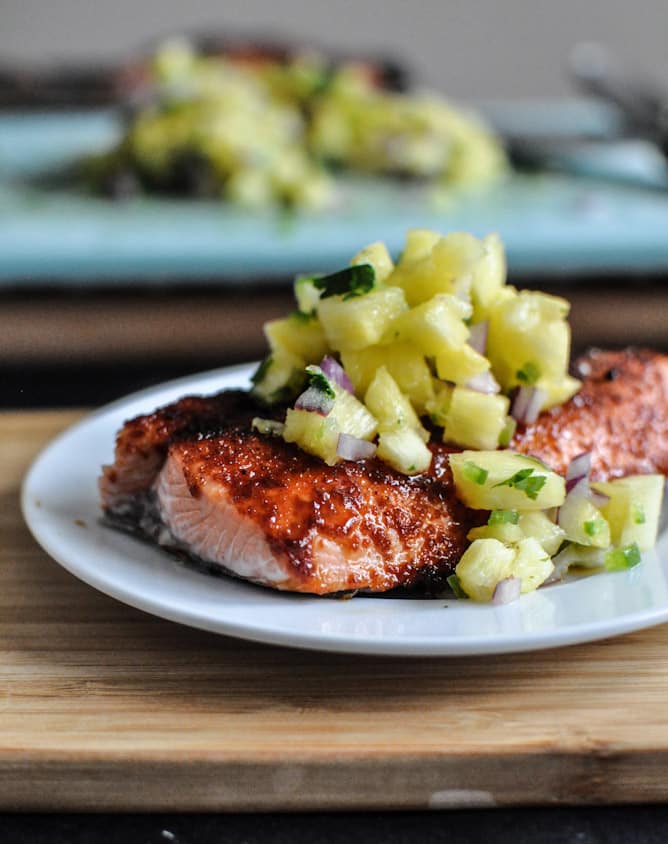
(560, 225)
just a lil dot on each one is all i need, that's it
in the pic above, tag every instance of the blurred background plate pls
(558, 224)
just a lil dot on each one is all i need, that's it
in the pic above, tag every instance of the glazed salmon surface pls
(196, 479)
(268, 512)
(620, 415)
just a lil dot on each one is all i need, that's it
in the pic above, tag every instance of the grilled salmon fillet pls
(620, 415)
(195, 478)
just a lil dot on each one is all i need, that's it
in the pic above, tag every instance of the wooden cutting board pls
(104, 707)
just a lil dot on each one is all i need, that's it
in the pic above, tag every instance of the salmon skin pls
(194, 478)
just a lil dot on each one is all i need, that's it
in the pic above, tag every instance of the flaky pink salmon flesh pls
(194, 478)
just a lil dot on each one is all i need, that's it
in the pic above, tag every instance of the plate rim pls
(443, 646)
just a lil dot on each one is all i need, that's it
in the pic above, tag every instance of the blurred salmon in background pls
(362, 108)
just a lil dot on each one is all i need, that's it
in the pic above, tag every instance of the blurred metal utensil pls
(642, 100)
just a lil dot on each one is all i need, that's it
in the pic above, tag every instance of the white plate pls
(60, 504)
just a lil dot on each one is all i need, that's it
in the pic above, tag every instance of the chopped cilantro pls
(262, 370)
(526, 482)
(456, 586)
(303, 316)
(528, 374)
(351, 282)
(319, 381)
(622, 558)
(474, 473)
(503, 517)
(638, 515)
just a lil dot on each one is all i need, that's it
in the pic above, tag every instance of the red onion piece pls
(577, 480)
(478, 337)
(507, 590)
(598, 499)
(352, 448)
(315, 401)
(561, 564)
(580, 466)
(527, 404)
(484, 382)
(335, 372)
(579, 489)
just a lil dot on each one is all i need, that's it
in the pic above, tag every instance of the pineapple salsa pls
(379, 356)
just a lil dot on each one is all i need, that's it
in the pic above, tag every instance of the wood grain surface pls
(104, 707)
(123, 327)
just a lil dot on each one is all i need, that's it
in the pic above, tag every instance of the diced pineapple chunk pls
(353, 324)
(390, 406)
(532, 564)
(450, 261)
(377, 255)
(583, 523)
(404, 362)
(460, 364)
(634, 509)
(434, 326)
(488, 277)
(558, 390)
(475, 420)
(279, 377)
(505, 480)
(419, 243)
(307, 294)
(351, 416)
(537, 525)
(528, 333)
(507, 532)
(362, 364)
(319, 435)
(437, 407)
(297, 333)
(404, 450)
(483, 565)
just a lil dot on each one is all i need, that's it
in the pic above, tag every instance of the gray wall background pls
(467, 48)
